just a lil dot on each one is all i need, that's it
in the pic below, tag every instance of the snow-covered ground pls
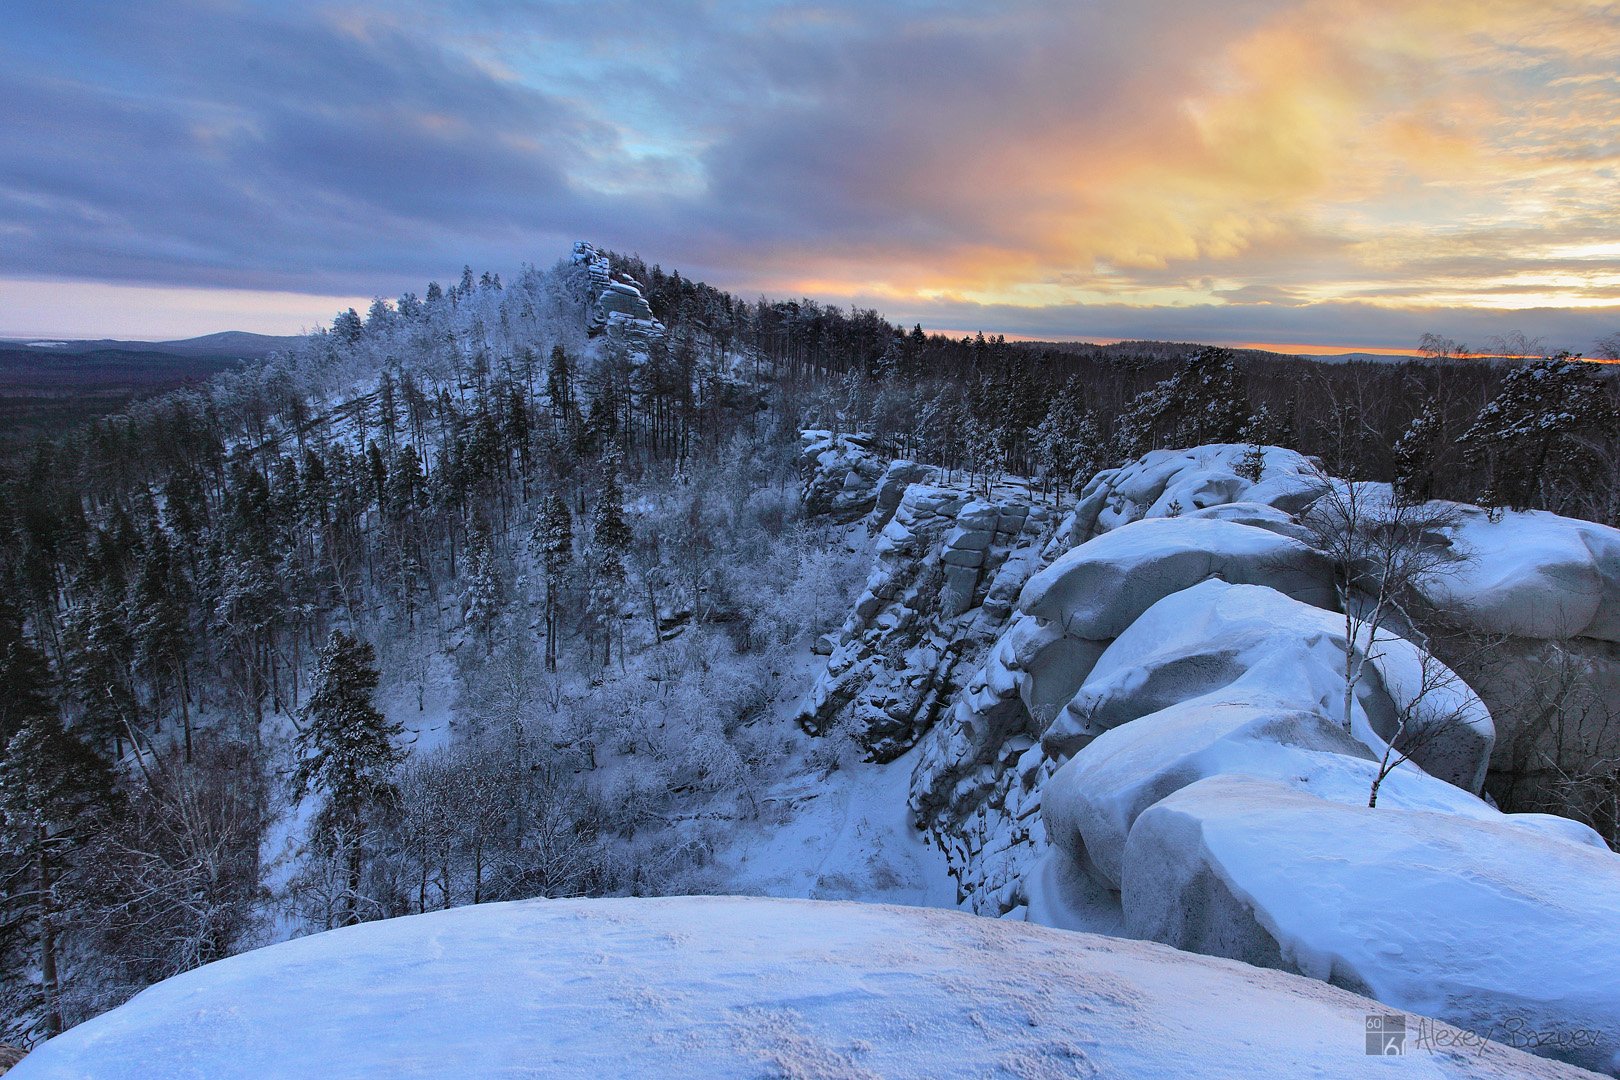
(840, 835)
(832, 828)
(728, 987)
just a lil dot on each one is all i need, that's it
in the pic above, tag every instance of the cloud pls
(1247, 157)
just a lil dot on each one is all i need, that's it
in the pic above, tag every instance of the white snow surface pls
(1495, 927)
(1253, 640)
(1099, 588)
(726, 987)
(1165, 483)
(1091, 802)
(1533, 574)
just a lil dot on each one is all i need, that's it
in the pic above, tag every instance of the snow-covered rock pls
(1197, 639)
(948, 564)
(1532, 574)
(1496, 927)
(1260, 645)
(1092, 801)
(726, 987)
(1098, 589)
(841, 473)
(1168, 483)
(619, 310)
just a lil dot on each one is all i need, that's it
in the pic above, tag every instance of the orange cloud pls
(1325, 148)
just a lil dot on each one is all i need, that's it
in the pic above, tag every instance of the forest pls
(463, 600)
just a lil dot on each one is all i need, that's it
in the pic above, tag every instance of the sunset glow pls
(1298, 171)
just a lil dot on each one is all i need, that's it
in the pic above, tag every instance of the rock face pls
(619, 310)
(842, 474)
(978, 786)
(1175, 667)
(949, 564)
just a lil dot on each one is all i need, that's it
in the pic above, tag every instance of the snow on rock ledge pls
(1172, 483)
(1532, 574)
(619, 310)
(727, 987)
(1098, 589)
(1260, 645)
(1490, 925)
(1187, 639)
(841, 473)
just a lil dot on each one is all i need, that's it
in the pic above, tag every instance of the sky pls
(1348, 173)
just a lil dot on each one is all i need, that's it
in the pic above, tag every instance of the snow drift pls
(722, 987)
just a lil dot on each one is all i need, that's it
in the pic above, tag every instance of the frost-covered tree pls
(486, 592)
(162, 624)
(1205, 402)
(553, 541)
(1381, 547)
(610, 540)
(1417, 452)
(348, 754)
(55, 798)
(1531, 431)
(1067, 442)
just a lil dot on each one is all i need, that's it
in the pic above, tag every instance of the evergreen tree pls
(162, 623)
(55, 798)
(1415, 455)
(349, 756)
(610, 540)
(1528, 434)
(486, 592)
(347, 327)
(553, 539)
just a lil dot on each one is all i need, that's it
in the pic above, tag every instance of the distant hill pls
(54, 385)
(235, 344)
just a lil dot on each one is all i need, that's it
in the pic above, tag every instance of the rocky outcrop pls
(978, 786)
(842, 474)
(1172, 671)
(949, 564)
(1499, 928)
(618, 310)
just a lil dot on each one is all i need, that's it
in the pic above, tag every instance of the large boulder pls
(1499, 928)
(1531, 574)
(1251, 639)
(1093, 800)
(1165, 483)
(1102, 586)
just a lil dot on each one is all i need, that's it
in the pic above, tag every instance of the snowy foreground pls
(718, 987)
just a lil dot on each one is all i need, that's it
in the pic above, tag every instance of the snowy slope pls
(725, 987)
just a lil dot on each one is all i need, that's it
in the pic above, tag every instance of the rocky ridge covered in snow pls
(1172, 681)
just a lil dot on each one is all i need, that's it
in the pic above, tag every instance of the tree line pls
(597, 539)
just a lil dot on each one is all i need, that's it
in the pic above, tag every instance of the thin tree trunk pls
(50, 986)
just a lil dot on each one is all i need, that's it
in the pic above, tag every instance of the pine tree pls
(1528, 433)
(1252, 465)
(1415, 454)
(348, 755)
(486, 592)
(162, 623)
(553, 539)
(55, 798)
(610, 540)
